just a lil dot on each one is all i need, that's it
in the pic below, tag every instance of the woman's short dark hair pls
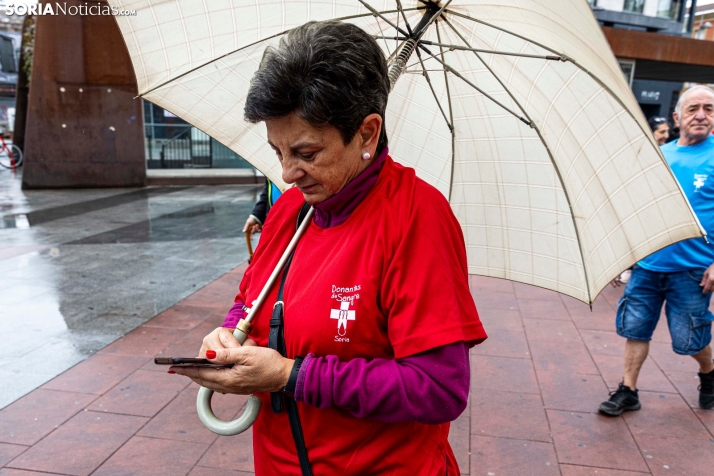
(328, 73)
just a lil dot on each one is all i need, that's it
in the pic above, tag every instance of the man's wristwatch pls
(292, 380)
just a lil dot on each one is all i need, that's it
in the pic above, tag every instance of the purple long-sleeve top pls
(431, 387)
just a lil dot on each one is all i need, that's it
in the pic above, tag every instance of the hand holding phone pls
(189, 362)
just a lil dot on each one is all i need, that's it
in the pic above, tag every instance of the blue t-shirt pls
(693, 165)
(273, 194)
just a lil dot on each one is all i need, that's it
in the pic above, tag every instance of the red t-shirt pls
(389, 282)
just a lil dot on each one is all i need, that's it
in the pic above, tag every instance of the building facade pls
(172, 143)
(647, 15)
(703, 25)
(645, 36)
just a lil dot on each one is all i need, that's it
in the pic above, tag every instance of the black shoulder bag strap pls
(276, 340)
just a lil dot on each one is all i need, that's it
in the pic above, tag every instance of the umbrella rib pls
(350, 17)
(560, 56)
(422, 71)
(380, 37)
(451, 115)
(416, 63)
(550, 155)
(460, 76)
(386, 45)
(396, 41)
(428, 80)
(495, 52)
(478, 50)
(380, 15)
(401, 10)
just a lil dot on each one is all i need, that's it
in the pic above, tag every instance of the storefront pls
(172, 143)
(656, 66)
(656, 98)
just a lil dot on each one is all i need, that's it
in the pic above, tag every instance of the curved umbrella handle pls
(226, 428)
(248, 242)
(218, 426)
(203, 403)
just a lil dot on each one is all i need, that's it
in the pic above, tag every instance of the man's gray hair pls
(680, 102)
(328, 73)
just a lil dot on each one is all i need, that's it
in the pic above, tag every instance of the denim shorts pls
(687, 309)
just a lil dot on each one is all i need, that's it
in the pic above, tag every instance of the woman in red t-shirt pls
(378, 315)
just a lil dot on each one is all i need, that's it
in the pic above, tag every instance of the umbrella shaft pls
(398, 64)
(430, 11)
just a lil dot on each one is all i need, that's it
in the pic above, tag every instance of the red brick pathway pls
(536, 385)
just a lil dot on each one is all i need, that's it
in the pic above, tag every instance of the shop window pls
(634, 6)
(669, 9)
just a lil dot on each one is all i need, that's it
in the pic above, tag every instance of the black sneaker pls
(706, 390)
(621, 400)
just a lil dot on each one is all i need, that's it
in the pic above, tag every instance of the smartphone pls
(189, 362)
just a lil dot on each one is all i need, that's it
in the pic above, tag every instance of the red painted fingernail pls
(171, 372)
(210, 354)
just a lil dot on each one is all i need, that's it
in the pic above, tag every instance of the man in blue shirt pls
(682, 275)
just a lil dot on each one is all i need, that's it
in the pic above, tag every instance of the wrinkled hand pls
(255, 369)
(617, 282)
(252, 224)
(707, 283)
(221, 338)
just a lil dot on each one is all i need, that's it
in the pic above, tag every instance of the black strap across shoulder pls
(276, 340)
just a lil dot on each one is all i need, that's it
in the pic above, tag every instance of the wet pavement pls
(81, 268)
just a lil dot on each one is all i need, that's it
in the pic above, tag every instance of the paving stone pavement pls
(536, 385)
(80, 268)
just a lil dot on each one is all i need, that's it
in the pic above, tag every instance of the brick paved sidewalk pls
(536, 385)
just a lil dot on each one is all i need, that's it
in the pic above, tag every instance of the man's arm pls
(707, 283)
(259, 213)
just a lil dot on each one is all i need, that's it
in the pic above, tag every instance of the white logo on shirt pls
(346, 296)
(699, 180)
(343, 314)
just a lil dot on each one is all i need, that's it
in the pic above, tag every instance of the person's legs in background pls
(706, 378)
(690, 323)
(637, 315)
(636, 352)
(704, 358)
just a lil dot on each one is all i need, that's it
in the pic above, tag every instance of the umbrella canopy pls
(515, 110)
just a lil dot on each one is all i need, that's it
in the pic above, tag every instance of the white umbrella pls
(515, 110)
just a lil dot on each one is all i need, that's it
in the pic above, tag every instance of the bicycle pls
(10, 154)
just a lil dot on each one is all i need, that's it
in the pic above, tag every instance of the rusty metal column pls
(84, 127)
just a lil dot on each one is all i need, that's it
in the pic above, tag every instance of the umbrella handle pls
(218, 426)
(226, 428)
(248, 242)
(203, 402)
